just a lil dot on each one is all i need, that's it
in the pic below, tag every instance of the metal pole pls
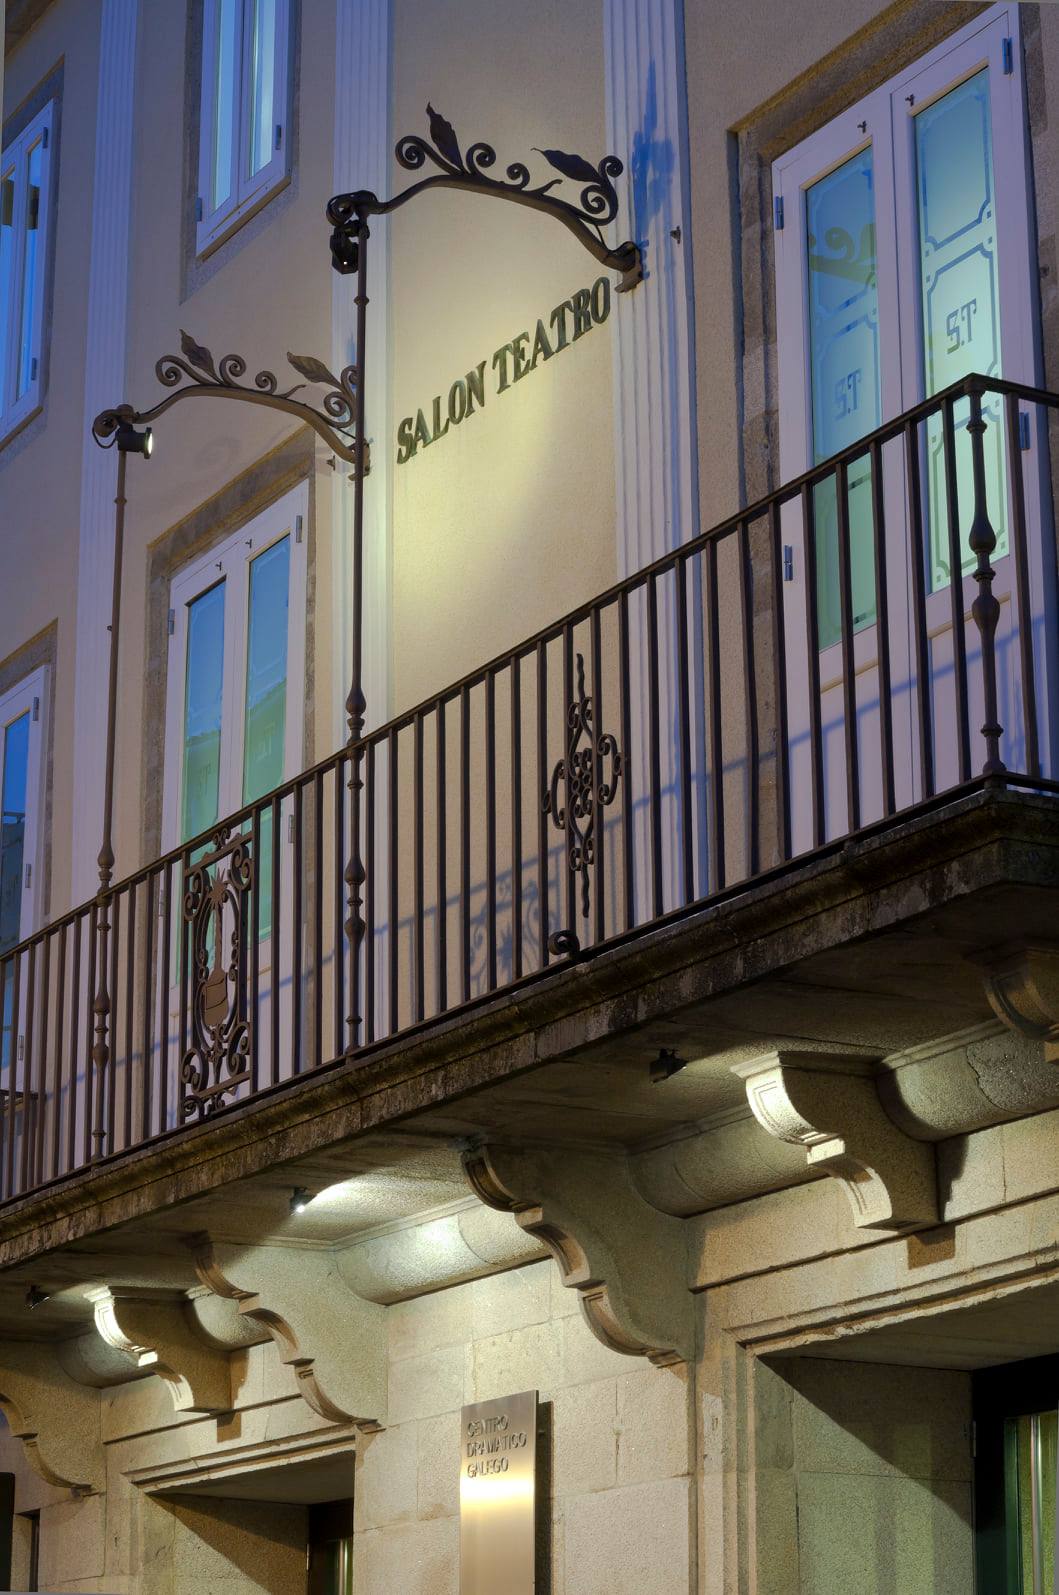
(102, 1003)
(985, 609)
(356, 704)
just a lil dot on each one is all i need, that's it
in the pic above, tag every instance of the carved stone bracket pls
(158, 1335)
(830, 1105)
(57, 1420)
(1022, 984)
(627, 1262)
(333, 1340)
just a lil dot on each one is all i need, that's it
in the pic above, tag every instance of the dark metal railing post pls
(356, 703)
(101, 1004)
(985, 610)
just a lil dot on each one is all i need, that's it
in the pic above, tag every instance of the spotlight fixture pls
(300, 1199)
(131, 441)
(35, 1297)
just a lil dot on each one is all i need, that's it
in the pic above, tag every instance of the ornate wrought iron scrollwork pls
(471, 170)
(217, 897)
(194, 373)
(587, 791)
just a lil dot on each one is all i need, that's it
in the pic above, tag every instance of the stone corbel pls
(627, 1262)
(157, 1334)
(830, 1105)
(333, 1340)
(57, 1420)
(1022, 984)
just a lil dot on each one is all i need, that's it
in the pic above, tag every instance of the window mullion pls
(18, 267)
(243, 181)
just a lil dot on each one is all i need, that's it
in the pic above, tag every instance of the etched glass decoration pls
(844, 375)
(960, 304)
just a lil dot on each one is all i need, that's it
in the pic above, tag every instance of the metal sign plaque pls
(498, 1490)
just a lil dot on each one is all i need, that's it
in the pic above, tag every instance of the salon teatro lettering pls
(569, 321)
(489, 1445)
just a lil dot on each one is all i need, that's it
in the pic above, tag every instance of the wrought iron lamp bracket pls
(194, 374)
(469, 171)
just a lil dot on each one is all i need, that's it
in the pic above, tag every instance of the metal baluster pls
(569, 840)
(27, 1073)
(130, 979)
(163, 997)
(716, 831)
(746, 609)
(148, 1007)
(369, 896)
(812, 633)
(921, 641)
(89, 1075)
(779, 661)
(15, 968)
(441, 777)
(419, 909)
(255, 950)
(849, 664)
(985, 610)
(959, 629)
(75, 1044)
(490, 827)
(57, 1051)
(339, 1039)
(465, 842)
(654, 750)
(1022, 587)
(628, 812)
(516, 817)
(393, 866)
(542, 786)
(296, 912)
(599, 832)
(275, 942)
(318, 918)
(882, 629)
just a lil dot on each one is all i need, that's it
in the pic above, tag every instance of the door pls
(1015, 1477)
(236, 688)
(903, 263)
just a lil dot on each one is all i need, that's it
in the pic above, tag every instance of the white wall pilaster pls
(105, 345)
(362, 159)
(657, 497)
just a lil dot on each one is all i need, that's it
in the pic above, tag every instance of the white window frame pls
(247, 194)
(230, 561)
(14, 413)
(884, 119)
(30, 697)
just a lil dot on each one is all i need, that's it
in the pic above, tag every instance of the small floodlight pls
(130, 441)
(300, 1199)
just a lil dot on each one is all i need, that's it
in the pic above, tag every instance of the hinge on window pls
(290, 827)
(298, 526)
(198, 209)
(33, 369)
(21, 1048)
(788, 562)
(1024, 430)
(778, 211)
(279, 135)
(172, 621)
(44, 138)
(36, 709)
(29, 876)
(1008, 57)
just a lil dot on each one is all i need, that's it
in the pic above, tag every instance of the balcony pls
(802, 677)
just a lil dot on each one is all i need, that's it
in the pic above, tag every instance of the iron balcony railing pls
(807, 670)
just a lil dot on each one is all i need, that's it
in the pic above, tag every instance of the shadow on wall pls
(202, 1543)
(879, 1458)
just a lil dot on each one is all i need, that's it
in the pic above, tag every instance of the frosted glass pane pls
(844, 374)
(13, 828)
(202, 711)
(32, 264)
(960, 298)
(266, 671)
(263, 84)
(225, 100)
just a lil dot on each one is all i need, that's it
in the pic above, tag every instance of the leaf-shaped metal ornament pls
(574, 166)
(444, 135)
(313, 370)
(197, 354)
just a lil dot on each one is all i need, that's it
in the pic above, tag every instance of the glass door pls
(1016, 1425)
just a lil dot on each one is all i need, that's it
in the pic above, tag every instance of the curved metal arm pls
(201, 377)
(469, 172)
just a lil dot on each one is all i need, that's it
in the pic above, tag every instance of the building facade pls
(529, 742)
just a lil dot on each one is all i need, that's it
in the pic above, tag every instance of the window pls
(21, 786)
(1015, 1477)
(236, 671)
(24, 201)
(243, 131)
(903, 262)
